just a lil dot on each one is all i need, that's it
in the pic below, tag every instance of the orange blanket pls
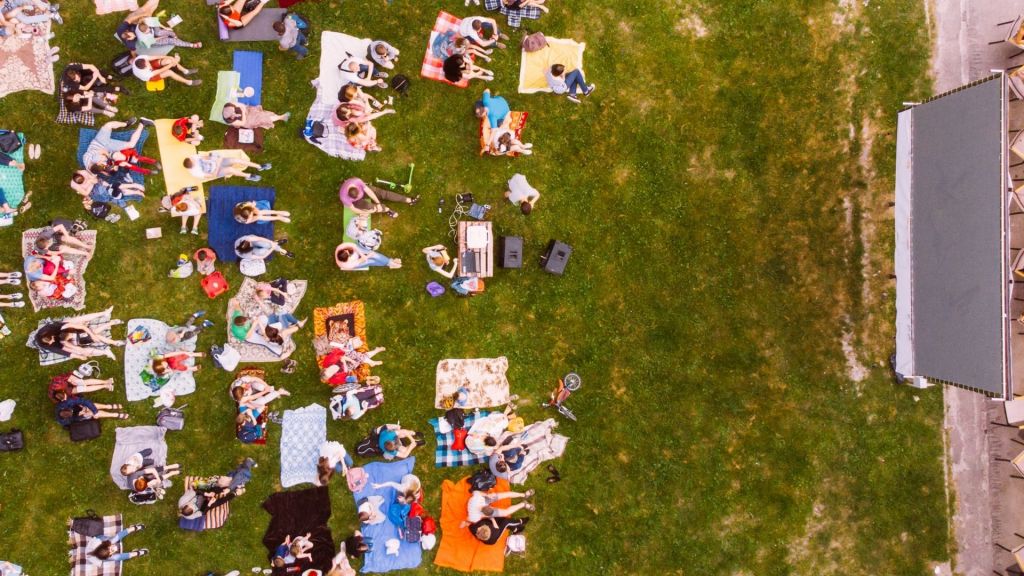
(458, 548)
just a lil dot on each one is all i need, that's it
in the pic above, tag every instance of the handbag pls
(516, 544)
(84, 430)
(12, 441)
(252, 266)
(89, 525)
(88, 370)
(171, 418)
(534, 42)
(9, 141)
(226, 357)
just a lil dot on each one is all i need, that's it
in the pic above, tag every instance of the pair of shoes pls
(148, 122)
(266, 166)
(290, 255)
(183, 230)
(555, 476)
(207, 324)
(253, 177)
(282, 241)
(573, 98)
(199, 313)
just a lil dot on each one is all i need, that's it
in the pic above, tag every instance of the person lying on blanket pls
(91, 102)
(186, 129)
(78, 78)
(55, 237)
(353, 93)
(292, 550)
(260, 248)
(276, 328)
(459, 67)
(212, 165)
(353, 358)
(361, 72)
(355, 110)
(508, 459)
(348, 256)
(154, 68)
(396, 442)
(107, 190)
(273, 293)
(463, 46)
(151, 32)
(154, 479)
(104, 144)
(49, 275)
(10, 26)
(490, 433)
(231, 481)
(74, 338)
(479, 505)
(253, 211)
(253, 391)
(207, 495)
(240, 115)
(333, 459)
(32, 12)
(69, 386)
(81, 409)
(482, 31)
(165, 364)
(238, 13)
(183, 205)
(100, 549)
(504, 142)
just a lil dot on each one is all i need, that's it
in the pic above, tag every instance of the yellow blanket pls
(568, 53)
(173, 153)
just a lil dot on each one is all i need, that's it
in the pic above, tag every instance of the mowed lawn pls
(723, 190)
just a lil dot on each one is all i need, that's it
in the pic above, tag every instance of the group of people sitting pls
(365, 200)
(147, 481)
(476, 37)
(66, 392)
(109, 164)
(252, 395)
(496, 126)
(84, 88)
(356, 109)
(271, 329)
(47, 270)
(150, 41)
(27, 18)
(205, 494)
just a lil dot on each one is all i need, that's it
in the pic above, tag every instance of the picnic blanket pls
(482, 379)
(302, 433)
(253, 307)
(409, 554)
(337, 324)
(532, 79)
(347, 215)
(228, 83)
(249, 66)
(515, 15)
(108, 6)
(458, 548)
(371, 396)
(446, 25)
(211, 520)
(173, 153)
(12, 182)
(543, 445)
(25, 63)
(224, 229)
(76, 302)
(63, 115)
(296, 513)
(444, 455)
(86, 136)
(77, 556)
(259, 374)
(259, 29)
(50, 358)
(132, 439)
(335, 47)
(517, 123)
(333, 142)
(139, 380)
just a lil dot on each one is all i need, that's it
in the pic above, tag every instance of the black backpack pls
(12, 441)
(400, 84)
(99, 210)
(482, 480)
(84, 430)
(122, 64)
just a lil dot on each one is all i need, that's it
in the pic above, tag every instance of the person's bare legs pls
(246, 18)
(68, 250)
(506, 512)
(177, 77)
(144, 11)
(69, 240)
(88, 386)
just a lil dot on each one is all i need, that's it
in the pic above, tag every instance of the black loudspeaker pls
(556, 257)
(511, 252)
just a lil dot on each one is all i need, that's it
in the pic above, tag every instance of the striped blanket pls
(515, 15)
(211, 520)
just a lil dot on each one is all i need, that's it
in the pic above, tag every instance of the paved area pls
(989, 501)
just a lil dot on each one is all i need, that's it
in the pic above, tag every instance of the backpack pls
(534, 42)
(89, 525)
(400, 84)
(122, 64)
(99, 210)
(12, 441)
(249, 433)
(84, 430)
(482, 480)
(171, 418)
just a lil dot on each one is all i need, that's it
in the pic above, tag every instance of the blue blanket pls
(220, 218)
(85, 136)
(249, 66)
(377, 559)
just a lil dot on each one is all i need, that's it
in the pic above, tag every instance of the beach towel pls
(63, 115)
(409, 554)
(76, 302)
(458, 548)
(224, 229)
(134, 439)
(337, 324)
(108, 6)
(296, 513)
(78, 557)
(302, 433)
(515, 15)
(260, 374)
(86, 136)
(517, 123)
(432, 68)
(25, 63)
(228, 83)
(211, 520)
(369, 396)
(532, 78)
(249, 66)
(543, 445)
(12, 182)
(333, 142)
(253, 307)
(444, 455)
(51, 358)
(259, 29)
(139, 380)
(481, 379)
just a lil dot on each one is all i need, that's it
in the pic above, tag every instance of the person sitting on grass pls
(333, 459)
(153, 68)
(568, 83)
(212, 165)
(479, 505)
(348, 256)
(253, 116)
(100, 549)
(238, 13)
(395, 442)
(69, 385)
(437, 259)
(291, 30)
(186, 129)
(367, 199)
(81, 409)
(256, 247)
(253, 211)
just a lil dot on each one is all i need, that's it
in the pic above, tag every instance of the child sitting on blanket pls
(137, 461)
(504, 142)
(182, 204)
(187, 130)
(293, 550)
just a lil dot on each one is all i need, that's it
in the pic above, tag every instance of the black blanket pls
(296, 514)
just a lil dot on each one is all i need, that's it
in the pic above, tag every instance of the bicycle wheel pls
(572, 381)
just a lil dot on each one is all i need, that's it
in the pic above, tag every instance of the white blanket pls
(334, 47)
(302, 433)
(139, 356)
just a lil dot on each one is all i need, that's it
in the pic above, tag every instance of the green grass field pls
(724, 192)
